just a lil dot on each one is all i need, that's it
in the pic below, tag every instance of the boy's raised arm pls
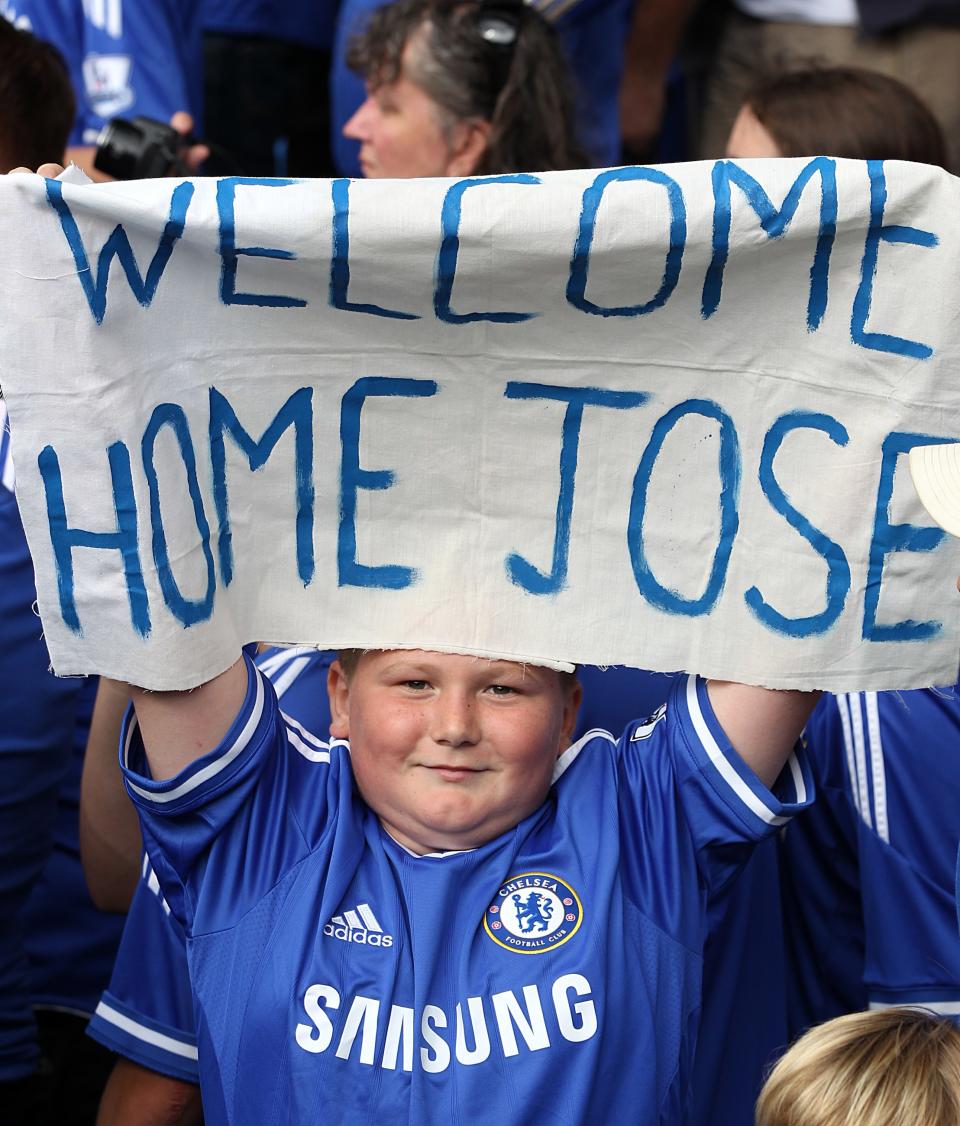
(179, 727)
(110, 844)
(763, 724)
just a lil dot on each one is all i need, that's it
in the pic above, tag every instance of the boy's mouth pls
(451, 773)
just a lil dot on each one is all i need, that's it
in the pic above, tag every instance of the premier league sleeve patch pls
(533, 913)
(107, 82)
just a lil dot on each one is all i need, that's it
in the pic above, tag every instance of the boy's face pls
(448, 750)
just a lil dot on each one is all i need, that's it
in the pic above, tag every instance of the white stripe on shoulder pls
(281, 657)
(842, 700)
(723, 765)
(878, 771)
(799, 786)
(153, 884)
(566, 760)
(211, 769)
(308, 745)
(7, 475)
(860, 755)
(148, 1035)
(290, 675)
(320, 744)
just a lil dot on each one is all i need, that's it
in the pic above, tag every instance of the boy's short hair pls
(37, 105)
(350, 658)
(889, 1067)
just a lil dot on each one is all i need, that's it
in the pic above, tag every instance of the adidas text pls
(360, 937)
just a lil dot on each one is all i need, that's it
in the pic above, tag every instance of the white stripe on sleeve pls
(843, 707)
(723, 765)
(212, 768)
(860, 754)
(877, 769)
(141, 1032)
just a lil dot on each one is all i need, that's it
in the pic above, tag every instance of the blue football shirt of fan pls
(557, 966)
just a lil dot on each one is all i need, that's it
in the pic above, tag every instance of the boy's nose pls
(454, 720)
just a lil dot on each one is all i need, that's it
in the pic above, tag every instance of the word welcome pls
(726, 175)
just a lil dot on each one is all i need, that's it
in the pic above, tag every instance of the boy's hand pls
(50, 171)
(179, 727)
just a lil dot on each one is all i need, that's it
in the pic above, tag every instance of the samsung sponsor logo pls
(397, 1037)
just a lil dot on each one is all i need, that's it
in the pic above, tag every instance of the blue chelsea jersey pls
(743, 1023)
(146, 1014)
(895, 755)
(126, 58)
(557, 966)
(148, 1017)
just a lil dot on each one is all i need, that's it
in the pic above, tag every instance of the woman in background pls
(462, 89)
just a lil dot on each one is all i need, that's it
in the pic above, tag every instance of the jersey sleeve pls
(691, 809)
(146, 1013)
(228, 827)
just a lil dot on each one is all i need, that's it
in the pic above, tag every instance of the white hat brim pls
(936, 477)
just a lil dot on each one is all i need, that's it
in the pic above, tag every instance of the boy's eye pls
(501, 690)
(415, 685)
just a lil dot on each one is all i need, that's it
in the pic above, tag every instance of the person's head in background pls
(36, 100)
(460, 88)
(889, 1067)
(836, 111)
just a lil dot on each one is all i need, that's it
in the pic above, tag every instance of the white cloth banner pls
(644, 416)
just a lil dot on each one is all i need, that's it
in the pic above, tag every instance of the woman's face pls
(401, 133)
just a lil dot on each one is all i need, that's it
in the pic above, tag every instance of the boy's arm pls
(763, 724)
(180, 727)
(109, 829)
(136, 1096)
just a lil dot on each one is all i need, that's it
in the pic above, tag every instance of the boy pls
(462, 920)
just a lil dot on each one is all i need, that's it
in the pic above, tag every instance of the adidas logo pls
(360, 926)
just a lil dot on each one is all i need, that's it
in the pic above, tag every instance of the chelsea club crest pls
(532, 913)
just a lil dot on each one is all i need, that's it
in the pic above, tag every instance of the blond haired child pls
(888, 1067)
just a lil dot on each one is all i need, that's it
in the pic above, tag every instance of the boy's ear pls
(338, 692)
(573, 696)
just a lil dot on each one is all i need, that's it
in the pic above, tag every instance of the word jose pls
(726, 175)
(296, 415)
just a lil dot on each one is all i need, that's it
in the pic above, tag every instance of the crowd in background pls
(854, 907)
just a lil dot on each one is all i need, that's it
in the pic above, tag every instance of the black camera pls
(141, 149)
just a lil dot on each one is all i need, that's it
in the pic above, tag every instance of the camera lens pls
(119, 149)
